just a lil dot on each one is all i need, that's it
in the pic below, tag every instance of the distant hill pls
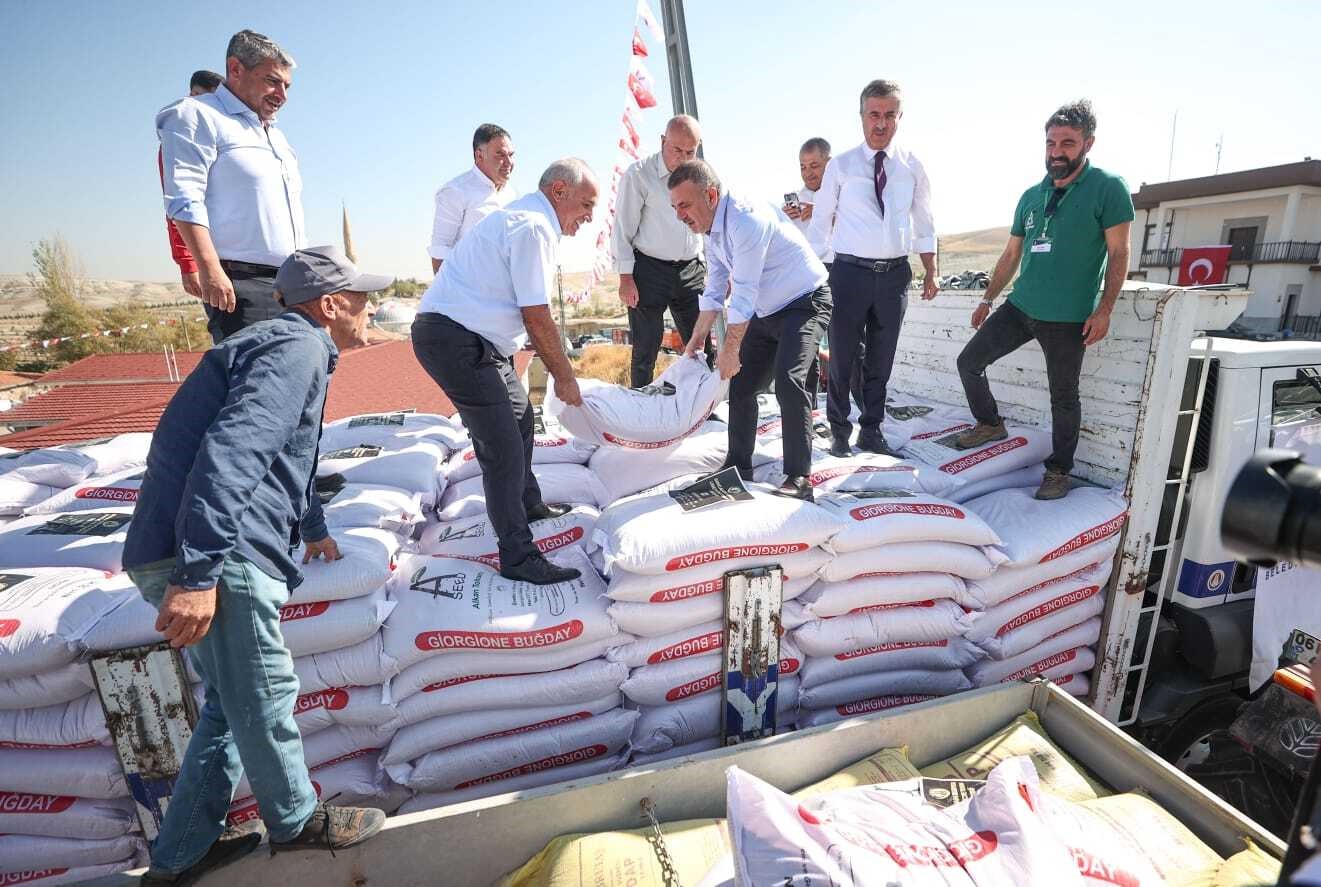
(17, 295)
(972, 250)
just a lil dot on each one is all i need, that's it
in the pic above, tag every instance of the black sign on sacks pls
(721, 486)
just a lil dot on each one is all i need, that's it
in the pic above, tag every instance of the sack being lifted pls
(652, 418)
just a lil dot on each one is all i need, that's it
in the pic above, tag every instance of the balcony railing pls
(1294, 252)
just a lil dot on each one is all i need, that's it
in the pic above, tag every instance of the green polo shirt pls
(1062, 285)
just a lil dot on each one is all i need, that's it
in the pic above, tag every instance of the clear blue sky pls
(386, 96)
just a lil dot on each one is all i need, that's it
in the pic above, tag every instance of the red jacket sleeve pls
(178, 249)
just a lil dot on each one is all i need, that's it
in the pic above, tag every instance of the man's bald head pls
(683, 135)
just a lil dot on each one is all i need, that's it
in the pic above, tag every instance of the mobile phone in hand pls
(791, 200)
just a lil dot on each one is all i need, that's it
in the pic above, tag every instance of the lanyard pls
(1048, 212)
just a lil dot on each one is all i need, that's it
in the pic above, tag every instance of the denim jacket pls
(233, 461)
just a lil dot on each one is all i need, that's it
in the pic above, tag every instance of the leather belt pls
(249, 268)
(879, 266)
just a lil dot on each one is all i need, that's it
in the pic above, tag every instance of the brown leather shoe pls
(334, 828)
(1055, 485)
(981, 435)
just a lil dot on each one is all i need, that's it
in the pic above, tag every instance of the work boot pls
(546, 510)
(536, 569)
(796, 487)
(231, 846)
(334, 828)
(981, 435)
(839, 447)
(1055, 485)
(874, 442)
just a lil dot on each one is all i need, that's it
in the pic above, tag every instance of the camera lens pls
(1273, 510)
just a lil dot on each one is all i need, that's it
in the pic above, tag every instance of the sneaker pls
(839, 448)
(536, 569)
(1055, 485)
(334, 828)
(980, 435)
(797, 487)
(874, 442)
(231, 846)
(546, 510)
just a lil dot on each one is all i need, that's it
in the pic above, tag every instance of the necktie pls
(878, 177)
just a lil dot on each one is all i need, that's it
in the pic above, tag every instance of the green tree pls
(58, 279)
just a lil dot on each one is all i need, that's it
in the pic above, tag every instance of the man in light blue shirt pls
(779, 306)
(492, 294)
(232, 186)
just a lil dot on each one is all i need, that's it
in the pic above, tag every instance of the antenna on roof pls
(1169, 170)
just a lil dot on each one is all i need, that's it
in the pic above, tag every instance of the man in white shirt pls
(471, 196)
(873, 208)
(658, 259)
(779, 304)
(813, 158)
(492, 295)
(232, 186)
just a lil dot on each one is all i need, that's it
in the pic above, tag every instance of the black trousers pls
(662, 285)
(869, 310)
(781, 346)
(1007, 330)
(254, 301)
(495, 409)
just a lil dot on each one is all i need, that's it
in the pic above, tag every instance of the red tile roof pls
(10, 380)
(377, 378)
(121, 367)
(143, 417)
(81, 401)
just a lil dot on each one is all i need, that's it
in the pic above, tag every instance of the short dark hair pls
(699, 172)
(208, 80)
(1075, 115)
(877, 89)
(816, 145)
(485, 133)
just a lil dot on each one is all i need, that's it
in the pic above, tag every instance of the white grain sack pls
(884, 683)
(447, 605)
(1023, 447)
(682, 679)
(119, 488)
(460, 666)
(19, 496)
(546, 449)
(1035, 531)
(885, 517)
(44, 613)
(64, 816)
(347, 706)
(624, 472)
(865, 472)
(561, 482)
(661, 728)
(416, 467)
(59, 684)
(826, 599)
(1056, 597)
(1010, 580)
(1029, 478)
(320, 626)
(1032, 628)
(368, 505)
(815, 717)
(367, 559)
(392, 431)
(932, 621)
(361, 665)
(655, 417)
(942, 655)
(655, 535)
(75, 724)
(966, 561)
(34, 853)
(1019, 667)
(92, 539)
(475, 539)
(708, 579)
(581, 683)
(656, 620)
(92, 772)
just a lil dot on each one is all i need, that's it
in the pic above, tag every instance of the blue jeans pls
(246, 723)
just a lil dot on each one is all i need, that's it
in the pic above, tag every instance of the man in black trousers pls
(779, 303)
(873, 208)
(492, 294)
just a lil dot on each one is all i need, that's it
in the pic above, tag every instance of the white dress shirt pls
(506, 263)
(806, 195)
(461, 203)
(226, 171)
(756, 246)
(645, 220)
(847, 218)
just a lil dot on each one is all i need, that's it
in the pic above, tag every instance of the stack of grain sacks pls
(885, 625)
(666, 566)
(504, 685)
(65, 814)
(1042, 608)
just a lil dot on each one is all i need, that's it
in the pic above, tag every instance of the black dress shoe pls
(744, 473)
(875, 443)
(798, 487)
(839, 448)
(545, 510)
(231, 846)
(539, 571)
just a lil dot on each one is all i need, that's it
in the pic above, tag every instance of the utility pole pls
(680, 62)
(1220, 146)
(1169, 170)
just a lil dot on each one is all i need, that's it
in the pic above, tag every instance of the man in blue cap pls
(227, 496)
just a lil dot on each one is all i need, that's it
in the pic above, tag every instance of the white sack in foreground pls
(652, 418)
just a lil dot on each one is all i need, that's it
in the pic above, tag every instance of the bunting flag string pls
(42, 344)
(640, 95)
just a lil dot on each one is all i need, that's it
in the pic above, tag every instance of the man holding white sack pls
(779, 306)
(492, 294)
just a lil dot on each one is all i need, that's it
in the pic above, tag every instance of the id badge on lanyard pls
(1042, 243)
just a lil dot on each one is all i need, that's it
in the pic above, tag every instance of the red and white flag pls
(648, 19)
(639, 47)
(1203, 265)
(631, 129)
(641, 85)
(627, 146)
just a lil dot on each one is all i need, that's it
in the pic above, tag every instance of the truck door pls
(1290, 415)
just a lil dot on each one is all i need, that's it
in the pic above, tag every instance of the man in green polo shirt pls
(1069, 241)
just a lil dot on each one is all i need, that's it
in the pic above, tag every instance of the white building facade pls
(1271, 219)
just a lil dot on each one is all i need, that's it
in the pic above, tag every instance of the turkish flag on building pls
(1204, 264)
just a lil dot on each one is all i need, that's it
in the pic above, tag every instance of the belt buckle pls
(880, 266)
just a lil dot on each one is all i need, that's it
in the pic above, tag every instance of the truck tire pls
(1200, 745)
